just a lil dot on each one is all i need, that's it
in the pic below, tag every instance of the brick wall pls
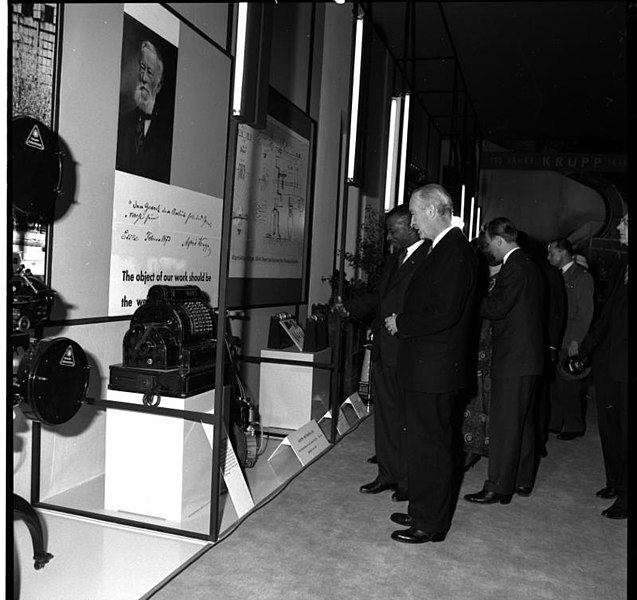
(34, 32)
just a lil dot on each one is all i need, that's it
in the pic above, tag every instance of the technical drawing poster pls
(270, 203)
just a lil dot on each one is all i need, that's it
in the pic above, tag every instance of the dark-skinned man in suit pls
(434, 330)
(389, 413)
(515, 308)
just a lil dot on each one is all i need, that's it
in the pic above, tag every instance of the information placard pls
(232, 475)
(342, 425)
(173, 239)
(307, 443)
(356, 402)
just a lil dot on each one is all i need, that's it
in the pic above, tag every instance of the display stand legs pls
(23, 510)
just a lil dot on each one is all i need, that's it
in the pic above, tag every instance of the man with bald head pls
(433, 329)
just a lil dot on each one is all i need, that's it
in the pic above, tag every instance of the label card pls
(307, 442)
(350, 414)
(341, 425)
(232, 474)
(357, 403)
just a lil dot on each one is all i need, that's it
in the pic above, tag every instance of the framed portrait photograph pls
(146, 102)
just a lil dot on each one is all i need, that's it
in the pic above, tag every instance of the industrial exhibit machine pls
(170, 350)
(50, 376)
(170, 346)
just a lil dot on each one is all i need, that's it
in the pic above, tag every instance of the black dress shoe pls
(615, 512)
(375, 487)
(486, 497)
(567, 436)
(401, 518)
(400, 495)
(373, 460)
(417, 536)
(607, 493)
(524, 490)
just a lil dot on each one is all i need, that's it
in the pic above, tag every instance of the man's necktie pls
(402, 256)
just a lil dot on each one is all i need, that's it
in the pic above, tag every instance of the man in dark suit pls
(433, 329)
(144, 134)
(389, 413)
(554, 319)
(607, 342)
(515, 309)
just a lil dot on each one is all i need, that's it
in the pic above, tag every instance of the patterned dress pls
(475, 423)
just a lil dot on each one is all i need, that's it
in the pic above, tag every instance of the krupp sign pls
(600, 163)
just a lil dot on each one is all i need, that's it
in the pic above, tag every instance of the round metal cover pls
(36, 167)
(53, 378)
(573, 369)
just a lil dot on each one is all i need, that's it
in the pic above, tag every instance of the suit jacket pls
(608, 338)
(154, 159)
(434, 325)
(387, 300)
(554, 305)
(515, 309)
(581, 306)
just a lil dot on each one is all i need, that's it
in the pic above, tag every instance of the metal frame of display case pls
(217, 417)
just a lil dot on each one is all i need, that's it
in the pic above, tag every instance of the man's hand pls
(390, 324)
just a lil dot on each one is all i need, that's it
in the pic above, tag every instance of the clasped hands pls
(390, 324)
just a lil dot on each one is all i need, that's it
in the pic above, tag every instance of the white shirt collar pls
(411, 249)
(506, 256)
(567, 266)
(441, 235)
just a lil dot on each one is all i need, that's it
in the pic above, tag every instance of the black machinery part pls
(51, 380)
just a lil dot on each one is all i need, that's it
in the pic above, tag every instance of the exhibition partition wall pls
(256, 216)
(121, 228)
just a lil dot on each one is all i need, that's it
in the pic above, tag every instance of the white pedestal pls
(292, 395)
(156, 465)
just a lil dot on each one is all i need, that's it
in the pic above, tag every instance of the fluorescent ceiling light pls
(392, 151)
(356, 83)
(471, 218)
(239, 65)
(403, 151)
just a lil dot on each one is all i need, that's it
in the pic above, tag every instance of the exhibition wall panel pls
(97, 69)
